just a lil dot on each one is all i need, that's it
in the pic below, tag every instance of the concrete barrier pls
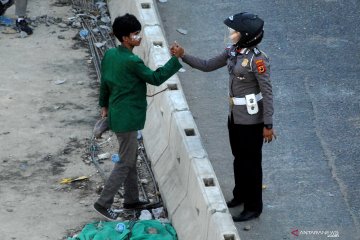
(188, 184)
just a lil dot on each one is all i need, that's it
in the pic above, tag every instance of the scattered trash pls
(59, 106)
(264, 186)
(70, 180)
(9, 30)
(247, 228)
(145, 215)
(100, 127)
(331, 195)
(84, 33)
(106, 141)
(76, 24)
(150, 229)
(139, 135)
(158, 212)
(6, 21)
(61, 3)
(119, 210)
(23, 34)
(99, 45)
(182, 70)
(144, 181)
(23, 166)
(182, 31)
(100, 4)
(104, 156)
(62, 25)
(115, 158)
(105, 27)
(106, 19)
(58, 82)
(120, 227)
(95, 30)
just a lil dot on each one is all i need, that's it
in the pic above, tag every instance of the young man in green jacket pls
(123, 100)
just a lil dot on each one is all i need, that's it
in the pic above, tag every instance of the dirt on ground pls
(48, 107)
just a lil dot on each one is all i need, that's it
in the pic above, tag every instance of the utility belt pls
(249, 100)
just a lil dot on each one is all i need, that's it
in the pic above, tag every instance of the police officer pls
(251, 106)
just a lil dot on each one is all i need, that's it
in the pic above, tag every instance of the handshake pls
(177, 50)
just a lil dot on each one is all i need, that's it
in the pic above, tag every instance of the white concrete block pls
(168, 103)
(158, 57)
(186, 222)
(204, 191)
(155, 136)
(221, 227)
(119, 8)
(184, 123)
(147, 12)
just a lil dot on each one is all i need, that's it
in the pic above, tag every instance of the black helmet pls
(249, 25)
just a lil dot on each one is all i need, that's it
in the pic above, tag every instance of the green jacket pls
(123, 87)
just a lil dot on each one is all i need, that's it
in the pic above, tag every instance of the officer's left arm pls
(157, 77)
(261, 67)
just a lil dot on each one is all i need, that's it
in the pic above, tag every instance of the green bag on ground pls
(141, 230)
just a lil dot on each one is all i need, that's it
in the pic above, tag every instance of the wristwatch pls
(268, 126)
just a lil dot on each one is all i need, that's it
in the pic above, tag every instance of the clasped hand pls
(177, 50)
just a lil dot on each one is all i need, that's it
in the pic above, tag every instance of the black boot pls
(246, 216)
(22, 25)
(234, 203)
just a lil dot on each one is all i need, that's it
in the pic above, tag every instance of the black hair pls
(124, 25)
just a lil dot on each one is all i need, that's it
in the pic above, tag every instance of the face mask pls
(234, 36)
(136, 37)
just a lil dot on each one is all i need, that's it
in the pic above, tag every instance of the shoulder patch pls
(260, 66)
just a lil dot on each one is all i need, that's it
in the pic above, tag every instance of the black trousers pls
(246, 145)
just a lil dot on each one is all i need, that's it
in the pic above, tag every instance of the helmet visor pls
(231, 36)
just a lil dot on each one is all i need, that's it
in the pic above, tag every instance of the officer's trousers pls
(20, 8)
(246, 144)
(124, 172)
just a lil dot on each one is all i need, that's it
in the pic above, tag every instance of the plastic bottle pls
(115, 158)
(120, 227)
(84, 33)
(145, 215)
(139, 135)
(6, 21)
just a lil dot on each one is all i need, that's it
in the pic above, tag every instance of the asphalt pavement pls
(312, 170)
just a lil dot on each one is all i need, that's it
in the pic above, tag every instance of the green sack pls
(141, 230)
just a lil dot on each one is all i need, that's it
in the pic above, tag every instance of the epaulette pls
(256, 51)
